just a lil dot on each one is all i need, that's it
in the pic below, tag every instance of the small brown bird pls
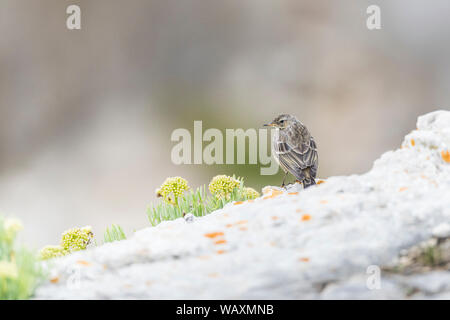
(295, 149)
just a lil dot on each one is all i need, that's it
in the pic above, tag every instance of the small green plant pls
(20, 272)
(115, 233)
(431, 256)
(74, 239)
(224, 189)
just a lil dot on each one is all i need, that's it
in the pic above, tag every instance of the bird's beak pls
(269, 125)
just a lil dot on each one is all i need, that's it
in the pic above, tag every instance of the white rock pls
(429, 283)
(441, 231)
(283, 245)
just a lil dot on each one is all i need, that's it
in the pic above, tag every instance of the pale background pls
(86, 116)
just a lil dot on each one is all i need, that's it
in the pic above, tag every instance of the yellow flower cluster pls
(76, 239)
(8, 270)
(250, 193)
(11, 227)
(49, 252)
(172, 189)
(72, 240)
(222, 186)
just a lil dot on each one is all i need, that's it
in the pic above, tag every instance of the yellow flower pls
(222, 186)
(88, 230)
(50, 252)
(12, 226)
(76, 239)
(172, 189)
(250, 193)
(8, 270)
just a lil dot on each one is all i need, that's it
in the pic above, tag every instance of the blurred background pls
(86, 115)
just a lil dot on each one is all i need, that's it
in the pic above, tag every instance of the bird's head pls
(282, 121)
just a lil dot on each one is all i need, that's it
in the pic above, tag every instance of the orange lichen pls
(413, 143)
(213, 234)
(230, 225)
(83, 263)
(54, 280)
(220, 251)
(298, 210)
(220, 241)
(292, 193)
(445, 156)
(273, 194)
(402, 189)
(238, 202)
(306, 217)
(323, 201)
(203, 257)
(304, 259)
(320, 182)
(243, 228)
(275, 218)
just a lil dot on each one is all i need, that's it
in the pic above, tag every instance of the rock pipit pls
(295, 149)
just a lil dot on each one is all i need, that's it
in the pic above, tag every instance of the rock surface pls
(294, 244)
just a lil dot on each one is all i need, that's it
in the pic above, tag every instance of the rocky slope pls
(293, 244)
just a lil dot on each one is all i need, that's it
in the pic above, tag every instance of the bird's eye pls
(281, 121)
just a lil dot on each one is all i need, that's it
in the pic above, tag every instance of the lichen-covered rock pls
(314, 243)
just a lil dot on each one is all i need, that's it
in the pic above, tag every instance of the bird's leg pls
(285, 175)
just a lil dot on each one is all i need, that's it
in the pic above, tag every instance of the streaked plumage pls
(295, 149)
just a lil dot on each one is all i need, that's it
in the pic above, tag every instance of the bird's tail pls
(308, 183)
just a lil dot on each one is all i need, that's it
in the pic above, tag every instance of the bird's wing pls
(313, 158)
(298, 152)
(289, 160)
